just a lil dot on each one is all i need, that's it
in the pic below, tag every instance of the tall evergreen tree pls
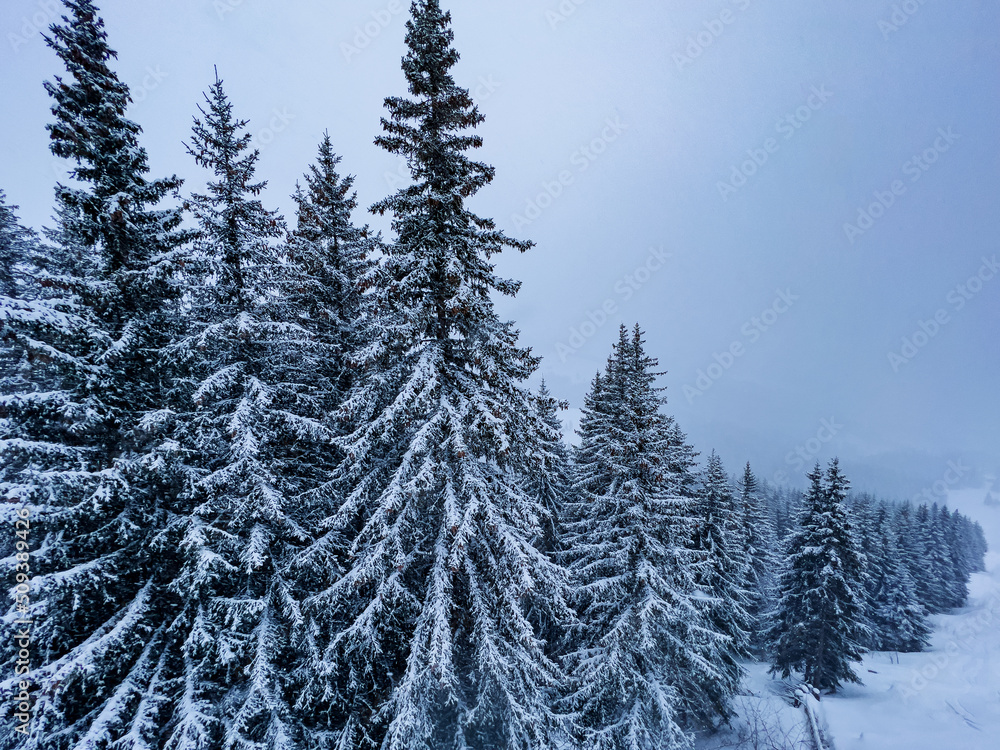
(548, 477)
(434, 646)
(935, 577)
(113, 210)
(899, 621)
(18, 283)
(976, 539)
(16, 247)
(638, 668)
(333, 262)
(245, 424)
(76, 445)
(330, 267)
(759, 547)
(818, 626)
(17, 381)
(910, 548)
(867, 516)
(720, 570)
(971, 541)
(957, 570)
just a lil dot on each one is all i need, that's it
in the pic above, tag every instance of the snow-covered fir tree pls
(866, 514)
(333, 262)
(898, 620)
(434, 647)
(331, 265)
(721, 569)
(637, 657)
(935, 577)
(973, 538)
(250, 417)
(18, 285)
(75, 447)
(113, 210)
(910, 549)
(818, 627)
(969, 541)
(958, 568)
(548, 477)
(759, 542)
(548, 480)
(16, 247)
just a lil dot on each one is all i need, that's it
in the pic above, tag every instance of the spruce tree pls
(91, 128)
(720, 571)
(759, 545)
(434, 646)
(76, 445)
(245, 424)
(935, 581)
(910, 548)
(976, 539)
(866, 517)
(18, 288)
(818, 628)
(971, 541)
(18, 284)
(638, 671)
(16, 247)
(957, 570)
(329, 268)
(548, 477)
(899, 621)
(333, 262)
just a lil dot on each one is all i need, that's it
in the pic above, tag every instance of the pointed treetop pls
(218, 144)
(91, 128)
(429, 37)
(749, 482)
(837, 484)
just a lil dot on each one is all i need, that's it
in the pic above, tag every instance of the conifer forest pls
(294, 483)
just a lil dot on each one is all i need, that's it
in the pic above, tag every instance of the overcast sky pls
(779, 192)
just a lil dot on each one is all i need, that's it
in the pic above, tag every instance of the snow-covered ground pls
(946, 698)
